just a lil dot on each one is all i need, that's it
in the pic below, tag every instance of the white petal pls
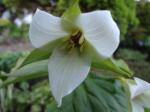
(66, 72)
(136, 107)
(140, 87)
(45, 28)
(100, 30)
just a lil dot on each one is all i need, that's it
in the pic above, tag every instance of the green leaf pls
(41, 53)
(31, 71)
(117, 66)
(96, 94)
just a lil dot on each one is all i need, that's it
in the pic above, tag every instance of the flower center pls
(76, 39)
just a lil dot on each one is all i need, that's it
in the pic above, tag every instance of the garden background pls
(132, 17)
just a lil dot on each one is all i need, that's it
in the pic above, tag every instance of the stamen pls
(81, 40)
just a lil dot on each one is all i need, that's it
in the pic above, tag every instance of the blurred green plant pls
(34, 98)
(12, 31)
(23, 97)
(8, 61)
(19, 32)
(129, 54)
(6, 97)
(140, 36)
(143, 13)
(141, 68)
(17, 6)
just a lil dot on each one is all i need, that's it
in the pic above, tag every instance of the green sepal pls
(69, 17)
(73, 10)
(117, 66)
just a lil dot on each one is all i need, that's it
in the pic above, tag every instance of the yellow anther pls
(81, 40)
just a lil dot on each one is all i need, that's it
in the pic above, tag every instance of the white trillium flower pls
(67, 70)
(140, 95)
